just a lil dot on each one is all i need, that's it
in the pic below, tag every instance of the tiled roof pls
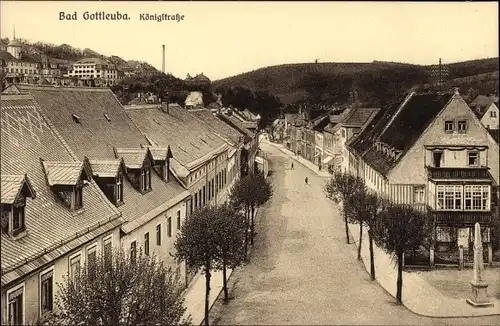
(25, 138)
(358, 117)
(96, 138)
(399, 127)
(189, 139)
(62, 173)
(413, 119)
(218, 126)
(133, 157)
(105, 168)
(4, 55)
(236, 123)
(12, 185)
(481, 100)
(321, 124)
(93, 136)
(93, 60)
(495, 133)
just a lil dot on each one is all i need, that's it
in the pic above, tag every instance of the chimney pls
(164, 107)
(163, 60)
(456, 90)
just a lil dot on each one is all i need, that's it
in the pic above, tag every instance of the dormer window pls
(15, 189)
(138, 163)
(66, 179)
(462, 126)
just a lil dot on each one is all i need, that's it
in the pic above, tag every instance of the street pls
(301, 269)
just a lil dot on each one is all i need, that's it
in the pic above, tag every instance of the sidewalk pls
(418, 296)
(195, 295)
(311, 166)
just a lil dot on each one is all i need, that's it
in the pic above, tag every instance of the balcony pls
(443, 173)
(461, 218)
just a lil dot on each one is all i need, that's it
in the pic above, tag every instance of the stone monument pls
(478, 296)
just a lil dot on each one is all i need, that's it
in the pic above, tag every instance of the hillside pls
(68, 54)
(376, 81)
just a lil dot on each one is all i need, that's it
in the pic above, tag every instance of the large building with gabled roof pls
(136, 176)
(55, 217)
(430, 150)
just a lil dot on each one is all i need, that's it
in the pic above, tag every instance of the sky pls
(222, 39)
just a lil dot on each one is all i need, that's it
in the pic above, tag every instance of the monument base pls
(479, 298)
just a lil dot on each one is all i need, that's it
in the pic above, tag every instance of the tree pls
(118, 289)
(358, 210)
(398, 228)
(251, 192)
(196, 244)
(230, 239)
(339, 188)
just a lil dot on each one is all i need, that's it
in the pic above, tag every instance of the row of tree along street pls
(132, 288)
(393, 227)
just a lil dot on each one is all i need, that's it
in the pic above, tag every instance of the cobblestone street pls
(301, 269)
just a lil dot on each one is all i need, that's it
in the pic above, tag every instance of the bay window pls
(467, 198)
(476, 198)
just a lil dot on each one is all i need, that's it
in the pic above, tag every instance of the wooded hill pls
(377, 81)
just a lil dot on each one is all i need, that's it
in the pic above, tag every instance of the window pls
(343, 133)
(493, 114)
(195, 200)
(146, 243)
(18, 216)
(449, 198)
(419, 195)
(74, 265)
(476, 198)
(169, 226)
(462, 126)
(448, 126)
(145, 179)
(179, 219)
(119, 189)
(91, 258)
(204, 196)
(77, 198)
(213, 188)
(46, 291)
(108, 249)
(133, 251)
(437, 158)
(158, 235)
(209, 190)
(15, 308)
(473, 159)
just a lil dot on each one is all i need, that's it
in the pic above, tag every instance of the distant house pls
(193, 100)
(198, 80)
(486, 110)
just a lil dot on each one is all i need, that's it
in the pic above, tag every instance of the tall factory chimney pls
(163, 60)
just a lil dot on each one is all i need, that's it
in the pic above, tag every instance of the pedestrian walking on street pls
(292, 165)
(307, 180)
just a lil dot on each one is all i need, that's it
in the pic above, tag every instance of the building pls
(199, 80)
(19, 66)
(353, 121)
(55, 218)
(135, 176)
(251, 143)
(96, 72)
(430, 150)
(487, 111)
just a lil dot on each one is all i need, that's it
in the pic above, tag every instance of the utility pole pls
(438, 75)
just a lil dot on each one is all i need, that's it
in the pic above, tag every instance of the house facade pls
(430, 150)
(487, 111)
(55, 218)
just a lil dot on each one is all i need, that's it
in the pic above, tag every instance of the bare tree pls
(398, 228)
(119, 289)
(339, 188)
